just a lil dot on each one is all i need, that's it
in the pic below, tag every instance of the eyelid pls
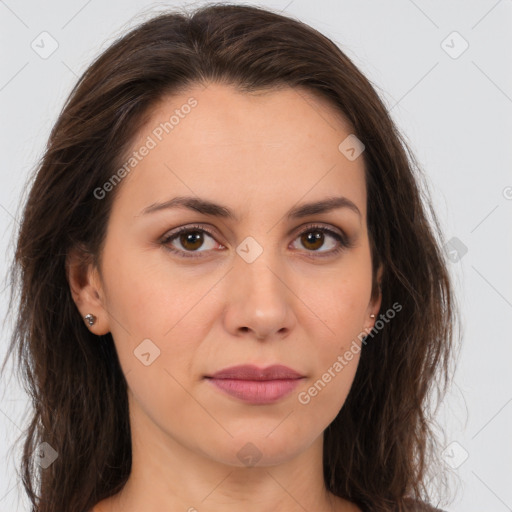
(320, 225)
(298, 230)
(344, 241)
(188, 227)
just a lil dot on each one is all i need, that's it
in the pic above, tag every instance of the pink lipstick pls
(255, 385)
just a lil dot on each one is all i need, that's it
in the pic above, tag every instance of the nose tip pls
(260, 301)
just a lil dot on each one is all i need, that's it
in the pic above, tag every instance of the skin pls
(260, 155)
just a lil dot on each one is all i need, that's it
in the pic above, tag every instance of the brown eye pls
(191, 239)
(314, 238)
(195, 240)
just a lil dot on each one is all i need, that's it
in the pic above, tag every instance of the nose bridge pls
(260, 300)
(258, 265)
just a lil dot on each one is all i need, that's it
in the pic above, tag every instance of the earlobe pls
(86, 290)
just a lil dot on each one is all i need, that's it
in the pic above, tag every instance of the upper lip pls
(251, 372)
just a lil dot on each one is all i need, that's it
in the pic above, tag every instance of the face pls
(270, 283)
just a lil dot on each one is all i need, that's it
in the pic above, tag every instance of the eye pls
(192, 238)
(313, 238)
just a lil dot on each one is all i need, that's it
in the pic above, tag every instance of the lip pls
(252, 372)
(255, 385)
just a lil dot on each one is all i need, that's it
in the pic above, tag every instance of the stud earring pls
(372, 316)
(90, 319)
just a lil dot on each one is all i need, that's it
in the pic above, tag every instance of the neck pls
(166, 475)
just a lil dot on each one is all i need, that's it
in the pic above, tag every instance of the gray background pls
(455, 108)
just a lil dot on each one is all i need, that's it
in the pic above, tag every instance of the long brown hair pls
(380, 451)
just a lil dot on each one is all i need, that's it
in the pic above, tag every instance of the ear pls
(375, 303)
(86, 289)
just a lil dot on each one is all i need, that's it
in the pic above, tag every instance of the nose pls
(260, 302)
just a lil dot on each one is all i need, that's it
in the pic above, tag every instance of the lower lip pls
(256, 391)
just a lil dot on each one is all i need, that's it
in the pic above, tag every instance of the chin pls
(254, 448)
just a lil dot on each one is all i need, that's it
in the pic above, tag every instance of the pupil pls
(192, 238)
(314, 236)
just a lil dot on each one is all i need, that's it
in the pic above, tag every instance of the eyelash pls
(344, 242)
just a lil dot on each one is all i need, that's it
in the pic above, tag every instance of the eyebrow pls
(207, 207)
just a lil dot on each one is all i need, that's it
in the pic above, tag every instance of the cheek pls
(341, 306)
(149, 295)
(341, 310)
(153, 315)
(322, 397)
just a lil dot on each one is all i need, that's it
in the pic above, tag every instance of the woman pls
(230, 294)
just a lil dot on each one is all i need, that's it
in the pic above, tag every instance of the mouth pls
(257, 386)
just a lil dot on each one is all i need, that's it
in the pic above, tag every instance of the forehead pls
(244, 149)
(223, 113)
